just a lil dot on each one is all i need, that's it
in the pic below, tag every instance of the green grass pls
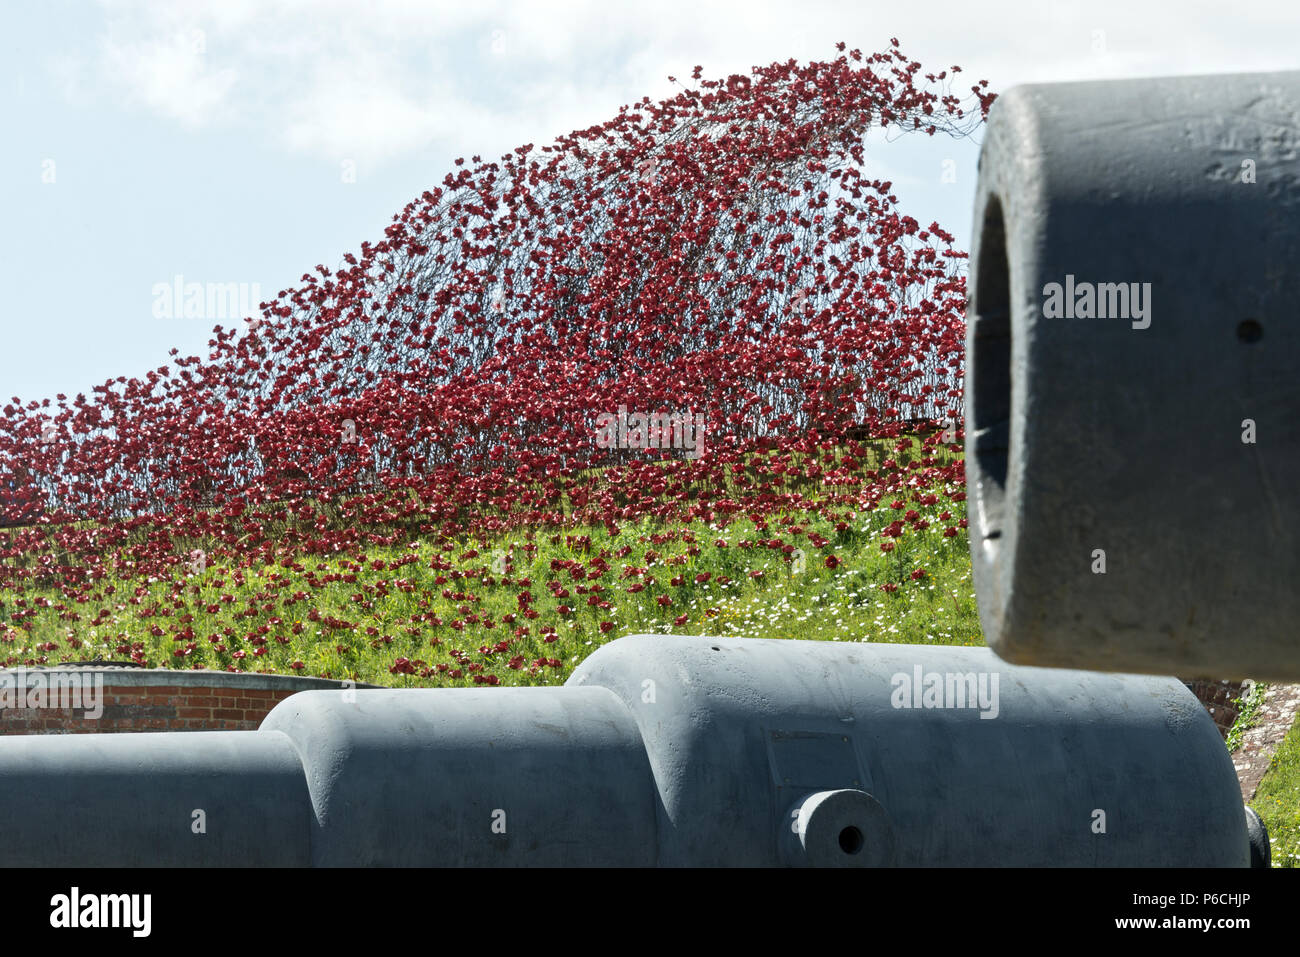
(356, 616)
(1277, 800)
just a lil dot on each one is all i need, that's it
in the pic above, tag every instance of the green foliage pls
(356, 616)
(1277, 801)
(1247, 714)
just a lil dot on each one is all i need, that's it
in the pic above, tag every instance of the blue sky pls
(245, 142)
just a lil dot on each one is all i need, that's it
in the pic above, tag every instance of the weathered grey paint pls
(673, 751)
(472, 776)
(742, 730)
(1088, 435)
(129, 800)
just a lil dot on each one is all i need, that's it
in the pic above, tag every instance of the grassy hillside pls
(1277, 800)
(526, 608)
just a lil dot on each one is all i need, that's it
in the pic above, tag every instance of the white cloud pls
(383, 79)
(360, 122)
(169, 73)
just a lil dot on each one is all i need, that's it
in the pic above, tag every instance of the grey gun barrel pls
(1132, 396)
(669, 751)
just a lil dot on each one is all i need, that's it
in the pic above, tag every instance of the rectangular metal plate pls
(815, 761)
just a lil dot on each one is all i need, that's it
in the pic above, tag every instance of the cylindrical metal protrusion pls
(1133, 412)
(844, 828)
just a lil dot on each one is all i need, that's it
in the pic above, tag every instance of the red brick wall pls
(166, 701)
(1218, 697)
(152, 709)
